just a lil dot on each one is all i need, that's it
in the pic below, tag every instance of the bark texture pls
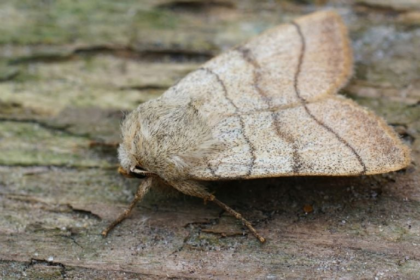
(69, 70)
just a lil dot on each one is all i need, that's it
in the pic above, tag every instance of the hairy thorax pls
(166, 139)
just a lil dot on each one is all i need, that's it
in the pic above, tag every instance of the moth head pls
(134, 172)
(129, 166)
(165, 139)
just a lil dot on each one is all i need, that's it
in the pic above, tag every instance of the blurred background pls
(71, 69)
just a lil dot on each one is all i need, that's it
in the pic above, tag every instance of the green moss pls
(43, 147)
(8, 73)
(49, 88)
(65, 21)
(155, 19)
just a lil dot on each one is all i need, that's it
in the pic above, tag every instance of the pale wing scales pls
(261, 74)
(317, 150)
(236, 76)
(202, 87)
(237, 149)
(270, 97)
(261, 157)
(326, 55)
(313, 151)
(258, 83)
(336, 138)
(377, 145)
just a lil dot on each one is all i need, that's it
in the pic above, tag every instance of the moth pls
(267, 108)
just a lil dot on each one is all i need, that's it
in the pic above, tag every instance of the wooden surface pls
(69, 70)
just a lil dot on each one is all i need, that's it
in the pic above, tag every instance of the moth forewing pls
(265, 109)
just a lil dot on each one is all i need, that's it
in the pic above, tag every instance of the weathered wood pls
(70, 69)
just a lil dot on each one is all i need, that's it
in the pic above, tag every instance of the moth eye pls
(138, 172)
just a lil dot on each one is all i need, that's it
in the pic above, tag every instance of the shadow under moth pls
(267, 108)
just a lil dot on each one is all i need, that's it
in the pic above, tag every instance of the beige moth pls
(267, 108)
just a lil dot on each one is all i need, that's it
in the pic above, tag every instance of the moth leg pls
(195, 189)
(141, 191)
(237, 216)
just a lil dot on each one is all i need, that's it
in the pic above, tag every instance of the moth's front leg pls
(142, 190)
(196, 189)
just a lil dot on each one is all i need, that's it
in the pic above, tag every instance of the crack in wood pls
(33, 262)
(125, 52)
